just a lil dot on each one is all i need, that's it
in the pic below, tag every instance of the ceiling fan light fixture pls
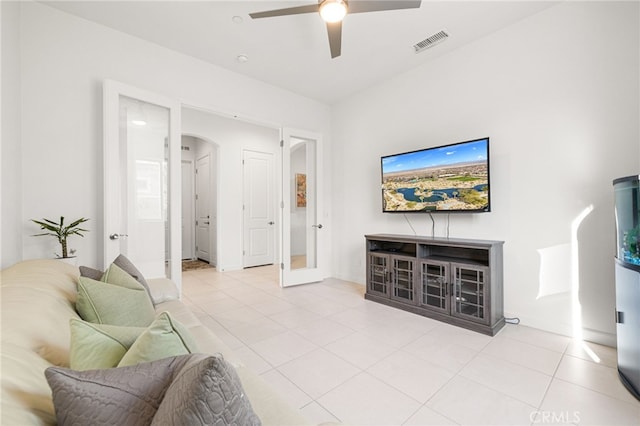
(333, 11)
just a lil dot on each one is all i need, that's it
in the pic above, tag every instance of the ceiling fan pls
(334, 11)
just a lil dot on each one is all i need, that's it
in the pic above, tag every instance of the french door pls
(142, 166)
(302, 227)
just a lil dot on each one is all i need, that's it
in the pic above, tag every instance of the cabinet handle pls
(619, 317)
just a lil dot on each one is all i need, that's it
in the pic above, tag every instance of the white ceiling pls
(292, 52)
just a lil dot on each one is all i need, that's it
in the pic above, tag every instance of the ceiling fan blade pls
(361, 6)
(287, 11)
(335, 38)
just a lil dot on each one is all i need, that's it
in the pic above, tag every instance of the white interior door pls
(258, 211)
(203, 208)
(141, 180)
(302, 228)
(188, 224)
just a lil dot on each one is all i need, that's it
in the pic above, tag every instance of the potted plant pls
(61, 232)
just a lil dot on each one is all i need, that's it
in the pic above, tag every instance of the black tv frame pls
(485, 209)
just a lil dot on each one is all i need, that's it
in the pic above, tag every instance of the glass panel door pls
(469, 292)
(402, 279)
(378, 265)
(302, 228)
(141, 147)
(434, 278)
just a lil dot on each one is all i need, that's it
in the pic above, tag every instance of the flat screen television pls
(448, 178)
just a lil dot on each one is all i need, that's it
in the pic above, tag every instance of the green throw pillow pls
(121, 300)
(126, 265)
(96, 346)
(123, 263)
(163, 338)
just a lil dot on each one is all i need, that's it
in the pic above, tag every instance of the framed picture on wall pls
(301, 190)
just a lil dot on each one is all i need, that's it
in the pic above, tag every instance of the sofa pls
(37, 302)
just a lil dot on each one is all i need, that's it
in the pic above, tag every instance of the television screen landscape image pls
(450, 178)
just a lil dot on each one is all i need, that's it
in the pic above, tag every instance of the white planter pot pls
(70, 260)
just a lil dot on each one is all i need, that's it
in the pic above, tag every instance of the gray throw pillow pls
(193, 389)
(88, 272)
(113, 396)
(206, 391)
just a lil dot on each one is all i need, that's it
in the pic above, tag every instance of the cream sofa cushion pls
(37, 297)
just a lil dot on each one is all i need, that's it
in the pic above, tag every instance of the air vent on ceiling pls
(431, 41)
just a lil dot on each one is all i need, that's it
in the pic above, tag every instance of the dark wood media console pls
(458, 281)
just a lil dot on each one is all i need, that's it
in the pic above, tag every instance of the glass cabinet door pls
(469, 291)
(434, 282)
(402, 279)
(378, 267)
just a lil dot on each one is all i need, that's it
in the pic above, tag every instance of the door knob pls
(271, 223)
(319, 226)
(117, 236)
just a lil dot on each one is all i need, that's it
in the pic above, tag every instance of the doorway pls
(203, 208)
(233, 137)
(199, 200)
(188, 244)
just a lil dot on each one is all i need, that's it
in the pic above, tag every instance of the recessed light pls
(242, 58)
(237, 19)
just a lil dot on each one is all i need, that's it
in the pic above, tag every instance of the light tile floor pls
(340, 358)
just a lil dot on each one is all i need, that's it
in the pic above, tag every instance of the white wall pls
(232, 137)
(64, 60)
(11, 176)
(558, 93)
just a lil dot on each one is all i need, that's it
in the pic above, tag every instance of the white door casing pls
(203, 208)
(314, 228)
(213, 222)
(141, 178)
(258, 208)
